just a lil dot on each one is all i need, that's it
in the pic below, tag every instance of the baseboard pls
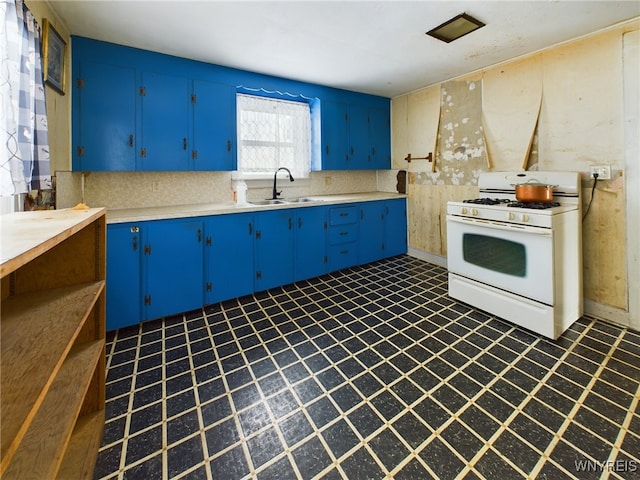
(428, 257)
(610, 314)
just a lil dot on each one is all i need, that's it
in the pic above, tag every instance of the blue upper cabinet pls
(105, 120)
(164, 142)
(139, 110)
(335, 136)
(380, 138)
(214, 129)
(355, 137)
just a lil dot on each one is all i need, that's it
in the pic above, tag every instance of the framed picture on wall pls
(54, 52)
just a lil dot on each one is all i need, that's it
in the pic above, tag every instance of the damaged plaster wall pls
(460, 149)
(560, 109)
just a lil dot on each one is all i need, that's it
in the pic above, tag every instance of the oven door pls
(515, 258)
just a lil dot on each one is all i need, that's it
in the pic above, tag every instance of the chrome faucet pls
(275, 177)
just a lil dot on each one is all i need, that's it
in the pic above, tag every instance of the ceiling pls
(376, 47)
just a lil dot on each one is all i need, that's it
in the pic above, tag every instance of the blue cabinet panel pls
(165, 122)
(123, 275)
(395, 214)
(173, 267)
(274, 248)
(359, 143)
(310, 242)
(335, 136)
(372, 228)
(105, 124)
(214, 126)
(229, 257)
(379, 128)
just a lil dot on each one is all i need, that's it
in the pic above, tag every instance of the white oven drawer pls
(515, 258)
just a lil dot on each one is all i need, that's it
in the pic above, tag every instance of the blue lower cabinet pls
(395, 229)
(123, 275)
(166, 267)
(228, 257)
(372, 228)
(273, 248)
(173, 267)
(310, 242)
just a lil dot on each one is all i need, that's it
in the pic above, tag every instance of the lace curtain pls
(273, 133)
(24, 148)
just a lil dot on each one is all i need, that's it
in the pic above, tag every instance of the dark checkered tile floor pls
(372, 372)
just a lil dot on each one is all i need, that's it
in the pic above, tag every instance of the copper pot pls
(534, 192)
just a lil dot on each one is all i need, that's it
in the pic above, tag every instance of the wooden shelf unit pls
(52, 343)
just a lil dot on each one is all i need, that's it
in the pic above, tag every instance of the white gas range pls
(520, 262)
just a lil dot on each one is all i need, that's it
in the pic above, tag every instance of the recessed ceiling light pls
(455, 28)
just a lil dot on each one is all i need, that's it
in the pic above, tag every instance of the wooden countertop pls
(26, 235)
(123, 215)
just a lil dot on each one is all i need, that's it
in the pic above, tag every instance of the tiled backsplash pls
(152, 189)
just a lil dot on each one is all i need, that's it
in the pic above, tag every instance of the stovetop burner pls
(487, 201)
(533, 205)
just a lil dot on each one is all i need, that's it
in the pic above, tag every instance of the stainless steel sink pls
(298, 200)
(267, 202)
(280, 201)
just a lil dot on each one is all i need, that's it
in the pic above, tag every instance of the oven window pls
(496, 254)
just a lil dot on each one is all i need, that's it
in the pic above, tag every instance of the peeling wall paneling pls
(399, 132)
(603, 251)
(460, 152)
(511, 100)
(581, 121)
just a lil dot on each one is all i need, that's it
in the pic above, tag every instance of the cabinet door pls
(371, 225)
(173, 267)
(123, 275)
(395, 219)
(380, 138)
(359, 143)
(165, 123)
(229, 260)
(214, 126)
(274, 248)
(104, 133)
(335, 136)
(310, 242)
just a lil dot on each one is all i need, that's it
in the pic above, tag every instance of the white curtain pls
(273, 133)
(24, 149)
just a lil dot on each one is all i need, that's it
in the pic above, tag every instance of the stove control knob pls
(524, 217)
(463, 210)
(474, 211)
(511, 216)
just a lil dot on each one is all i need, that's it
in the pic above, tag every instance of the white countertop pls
(123, 215)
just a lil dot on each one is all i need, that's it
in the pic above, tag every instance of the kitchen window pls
(273, 133)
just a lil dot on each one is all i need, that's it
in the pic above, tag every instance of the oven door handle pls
(510, 227)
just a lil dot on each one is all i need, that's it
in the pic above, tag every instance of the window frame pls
(302, 174)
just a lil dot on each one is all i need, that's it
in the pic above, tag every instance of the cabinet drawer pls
(343, 234)
(342, 215)
(342, 256)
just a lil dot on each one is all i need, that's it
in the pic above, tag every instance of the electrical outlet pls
(155, 186)
(603, 171)
(327, 180)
